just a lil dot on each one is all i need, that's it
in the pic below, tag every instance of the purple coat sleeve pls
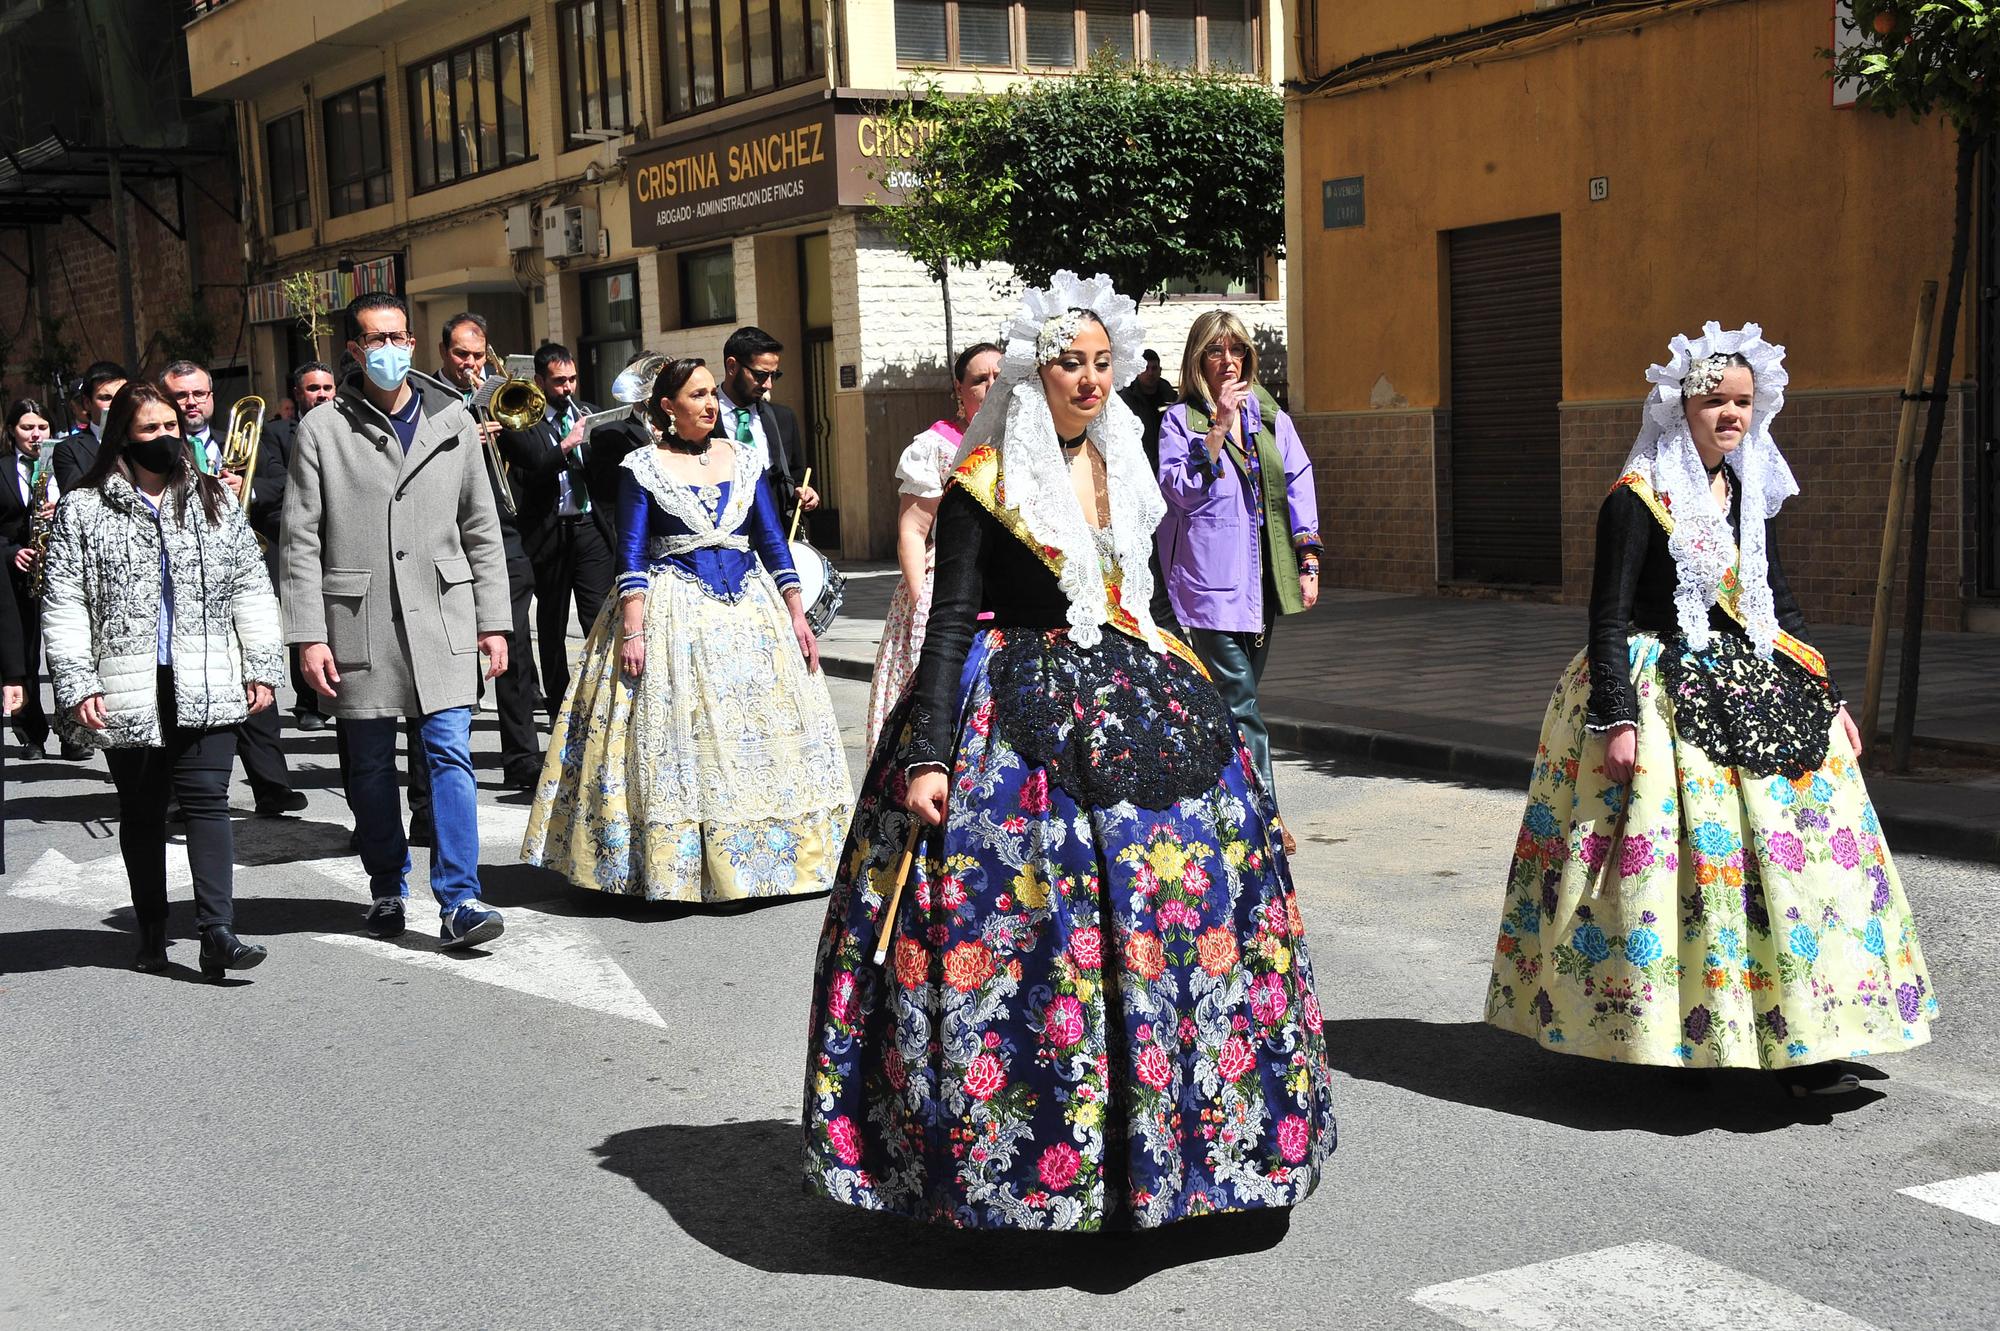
(1185, 475)
(1300, 496)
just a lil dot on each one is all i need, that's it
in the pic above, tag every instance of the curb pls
(1506, 769)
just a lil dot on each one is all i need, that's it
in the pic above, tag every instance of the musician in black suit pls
(311, 384)
(748, 416)
(566, 523)
(27, 444)
(74, 454)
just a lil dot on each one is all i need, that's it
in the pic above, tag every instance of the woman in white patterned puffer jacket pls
(162, 636)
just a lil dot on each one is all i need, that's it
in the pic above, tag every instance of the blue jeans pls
(374, 793)
(1235, 662)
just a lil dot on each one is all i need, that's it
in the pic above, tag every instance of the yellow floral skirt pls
(716, 775)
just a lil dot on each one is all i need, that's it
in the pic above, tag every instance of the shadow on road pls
(736, 1188)
(1472, 1063)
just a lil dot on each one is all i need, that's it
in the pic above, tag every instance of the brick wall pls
(1372, 471)
(77, 277)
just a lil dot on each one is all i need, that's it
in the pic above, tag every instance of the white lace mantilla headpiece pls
(1015, 419)
(1664, 454)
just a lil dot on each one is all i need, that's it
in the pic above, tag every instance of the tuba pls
(241, 441)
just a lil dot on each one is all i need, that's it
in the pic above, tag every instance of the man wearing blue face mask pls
(394, 583)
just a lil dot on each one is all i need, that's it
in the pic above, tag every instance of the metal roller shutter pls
(1506, 381)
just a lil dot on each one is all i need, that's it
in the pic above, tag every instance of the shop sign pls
(268, 304)
(735, 180)
(1342, 203)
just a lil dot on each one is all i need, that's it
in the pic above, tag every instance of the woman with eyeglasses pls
(1240, 542)
(162, 636)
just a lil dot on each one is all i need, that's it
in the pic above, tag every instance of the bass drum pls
(821, 586)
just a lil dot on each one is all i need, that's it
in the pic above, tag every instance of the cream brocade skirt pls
(717, 775)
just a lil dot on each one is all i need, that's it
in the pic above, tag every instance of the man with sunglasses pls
(750, 418)
(566, 528)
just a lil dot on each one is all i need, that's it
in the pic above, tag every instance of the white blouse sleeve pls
(920, 471)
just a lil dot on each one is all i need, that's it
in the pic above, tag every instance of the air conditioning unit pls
(568, 233)
(520, 228)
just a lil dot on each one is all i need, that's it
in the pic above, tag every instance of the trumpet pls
(517, 404)
(241, 441)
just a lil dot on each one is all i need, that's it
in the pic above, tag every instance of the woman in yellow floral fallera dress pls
(696, 757)
(1700, 879)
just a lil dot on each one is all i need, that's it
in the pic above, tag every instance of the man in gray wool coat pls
(394, 584)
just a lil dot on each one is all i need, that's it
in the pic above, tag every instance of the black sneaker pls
(309, 721)
(384, 918)
(280, 802)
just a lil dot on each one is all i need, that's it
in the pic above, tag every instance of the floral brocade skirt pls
(1093, 1014)
(1752, 916)
(716, 775)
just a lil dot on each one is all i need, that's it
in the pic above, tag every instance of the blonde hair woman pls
(1240, 542)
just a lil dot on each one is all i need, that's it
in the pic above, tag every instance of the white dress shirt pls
(730, 411)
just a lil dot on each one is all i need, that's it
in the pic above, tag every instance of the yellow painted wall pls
(1736, 193)
(1347, 29)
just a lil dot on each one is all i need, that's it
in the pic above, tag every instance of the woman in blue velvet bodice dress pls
(696, 757)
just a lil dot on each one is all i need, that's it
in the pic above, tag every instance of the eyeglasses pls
(376, 341)
(1225, 351)
(192, 394)
(764, 376)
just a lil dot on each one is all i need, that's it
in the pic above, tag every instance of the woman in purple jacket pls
(1240, 542)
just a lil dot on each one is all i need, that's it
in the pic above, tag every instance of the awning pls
(53, 180)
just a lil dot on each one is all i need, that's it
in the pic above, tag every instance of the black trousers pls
(576, 566)
(260, 742)
(520, 740)
(31, 723)
(191, 766)
(308, 701)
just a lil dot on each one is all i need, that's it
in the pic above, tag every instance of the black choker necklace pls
(1720, 463)
(1071, 445)
(693, 449)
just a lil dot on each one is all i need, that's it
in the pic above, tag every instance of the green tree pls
(1146, 173)
(948, 203)
(1925, 58)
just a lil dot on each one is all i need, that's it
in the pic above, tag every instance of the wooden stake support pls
(1893, 518)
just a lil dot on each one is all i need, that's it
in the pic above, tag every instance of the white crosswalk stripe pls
(1976, 1195)
(1633, 1287)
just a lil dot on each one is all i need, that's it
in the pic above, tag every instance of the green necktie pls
(743, 435)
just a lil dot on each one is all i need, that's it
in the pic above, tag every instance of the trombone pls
(516, 404)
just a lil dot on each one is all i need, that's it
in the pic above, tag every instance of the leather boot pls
(152, 955)
(222, 950)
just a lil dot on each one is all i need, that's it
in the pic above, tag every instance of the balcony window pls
(285, 169)
(357, 150)
(469, 109)
(1210, 35)
(591, 34)
(717, 51)
(708, 287)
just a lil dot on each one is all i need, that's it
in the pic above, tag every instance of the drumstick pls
(888, 929)
(800, 511)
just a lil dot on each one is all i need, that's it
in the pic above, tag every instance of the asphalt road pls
(592, 1125)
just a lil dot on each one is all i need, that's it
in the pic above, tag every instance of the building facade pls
(1520, 201)
(619, 174)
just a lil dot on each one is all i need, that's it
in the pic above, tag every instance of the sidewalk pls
(1456, 689)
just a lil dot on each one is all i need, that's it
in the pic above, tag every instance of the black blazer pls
(267, 488)
(16, 517)
(13, 656)
(535, 466)
(781, 432)
(608, 447)
(73, 456)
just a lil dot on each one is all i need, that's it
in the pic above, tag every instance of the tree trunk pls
(950, 341)
(1926, 461)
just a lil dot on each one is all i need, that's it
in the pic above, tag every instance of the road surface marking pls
(1976, 1195)
(1634, 1287)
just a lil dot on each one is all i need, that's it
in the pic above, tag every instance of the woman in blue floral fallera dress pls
(1700, 879)
(1097, 1009)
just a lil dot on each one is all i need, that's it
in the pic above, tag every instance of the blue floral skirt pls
(1749, 915)
(1093, 1015)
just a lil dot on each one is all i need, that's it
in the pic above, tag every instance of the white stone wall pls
(901, 333)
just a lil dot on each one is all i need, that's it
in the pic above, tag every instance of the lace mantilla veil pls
(1664, 455)
(1015, 419)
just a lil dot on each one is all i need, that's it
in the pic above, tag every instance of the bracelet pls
(627, 637)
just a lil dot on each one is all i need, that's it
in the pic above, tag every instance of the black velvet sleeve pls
(1785, 605)
(964, 531)
(1624, 531)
